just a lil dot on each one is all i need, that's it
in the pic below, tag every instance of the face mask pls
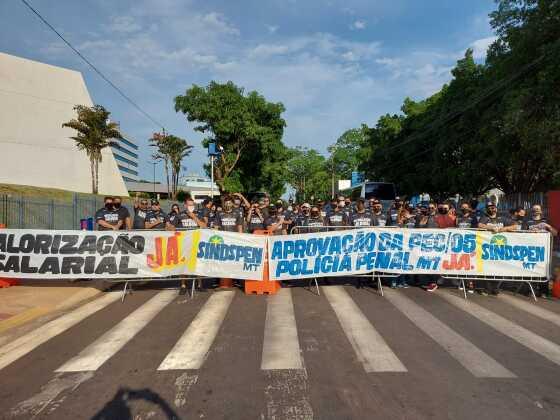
(442, 210)
(117, 205)
(341, 204)
(314, 214)
(305, 211)
(109, 206)
(465, 211)
(228, 206)
(290, 208)
(424, 211)
(190, 208)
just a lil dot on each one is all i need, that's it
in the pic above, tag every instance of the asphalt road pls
(346, 354)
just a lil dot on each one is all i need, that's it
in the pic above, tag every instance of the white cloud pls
(358, 25)
(480, 47)
(123, 24)
(216, 21)
(272, 29)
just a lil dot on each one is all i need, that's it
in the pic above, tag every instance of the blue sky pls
(333, 64)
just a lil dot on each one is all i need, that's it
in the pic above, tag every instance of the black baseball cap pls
(490, 204)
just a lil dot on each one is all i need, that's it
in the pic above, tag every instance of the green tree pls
(94, 133)
(307, 172)
(247, 127)
(171, 150)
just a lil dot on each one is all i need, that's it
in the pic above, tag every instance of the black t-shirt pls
(123, 215)
(379, 219)
(466, 221)
(155, 216)
(337, 218)
(519, 223)
(139, 218)
(255, 222)
(392, 216)
(496, 221)
(536, 225)
(183, 221)
(360, 220)
(109, 216)
(269, 221)
(428, 223)
(172, 217)
(315, 224)
(228, 222)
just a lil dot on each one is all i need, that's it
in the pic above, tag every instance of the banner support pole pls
(126, 290)
(464, 288)
(532, 291)
(379, 285)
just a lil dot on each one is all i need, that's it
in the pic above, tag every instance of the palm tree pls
(95, 131)
(178, 150)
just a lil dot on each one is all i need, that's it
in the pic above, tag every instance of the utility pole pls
(154, 182)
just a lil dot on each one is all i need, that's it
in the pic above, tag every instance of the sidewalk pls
(22, 304)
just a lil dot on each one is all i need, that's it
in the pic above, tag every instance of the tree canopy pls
(247, 127)
(495, 124)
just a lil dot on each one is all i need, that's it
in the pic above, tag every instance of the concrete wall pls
(35, 99)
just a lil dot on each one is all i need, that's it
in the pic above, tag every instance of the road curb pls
(33, 313)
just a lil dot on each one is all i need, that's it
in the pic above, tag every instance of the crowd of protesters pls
(234, 213)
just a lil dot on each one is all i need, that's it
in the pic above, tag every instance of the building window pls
(129, 143)
(130, 162)
(129, 171)
(122, 149)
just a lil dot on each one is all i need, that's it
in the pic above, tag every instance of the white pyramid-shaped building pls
(35, 100)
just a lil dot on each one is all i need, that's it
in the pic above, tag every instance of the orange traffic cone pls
(556, 285)
(263, 286)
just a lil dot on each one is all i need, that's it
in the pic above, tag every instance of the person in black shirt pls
(156, 219)
(379, 219)
(393, 212)
(172, 216)
(228, 220)
(361, 218)
(301, 219)
(492, 220)
(337, 217)
(255, 219)
(107, 218)
(517, 220)
(187, 220)
(315, 221)
(141, 209)
(495, 223)
(465, 217)
(275, 222)
(123, 212)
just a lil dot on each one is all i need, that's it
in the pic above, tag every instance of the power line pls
(125, 96)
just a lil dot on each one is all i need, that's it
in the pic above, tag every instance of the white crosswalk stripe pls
(30, 341)
(466, 353)
(516, 332)
(281, 348)
(97, 353)
(191, 350)
(370, 347)
(532, 308)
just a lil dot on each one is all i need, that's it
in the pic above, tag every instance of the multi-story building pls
(125, 152)
(35, 100)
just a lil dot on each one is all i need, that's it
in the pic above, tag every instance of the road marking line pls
(522, 335)
(281, 348)
(28, 342)
(466, 353)
(287, 395)
(102, 349)
(532, 308)
(192, 349)
(49, 393)
(369, 345)
(183, 383)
